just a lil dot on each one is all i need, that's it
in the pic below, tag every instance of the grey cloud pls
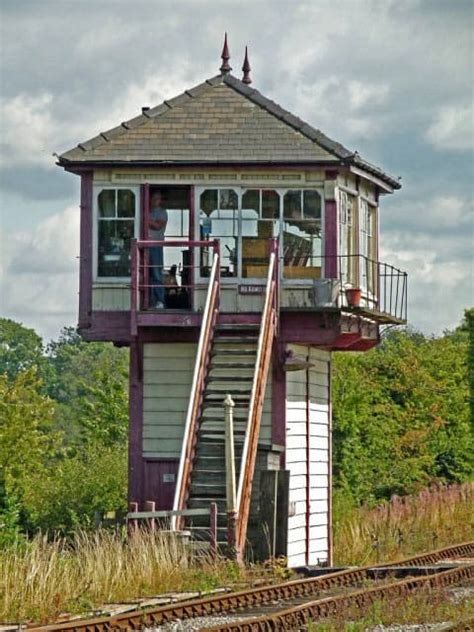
(38, 183)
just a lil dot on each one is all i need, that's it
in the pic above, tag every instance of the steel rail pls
(255, 596)
(298, 617)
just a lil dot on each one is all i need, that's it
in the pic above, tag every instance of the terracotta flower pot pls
(353, 296)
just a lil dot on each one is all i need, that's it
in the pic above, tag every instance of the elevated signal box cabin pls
(256, 260)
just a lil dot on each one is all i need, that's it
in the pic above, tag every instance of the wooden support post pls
(133, 523)
(150, 505)
(213, 529)
(231, 493)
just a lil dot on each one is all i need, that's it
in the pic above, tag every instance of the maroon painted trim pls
(330, 531)
(85, 266)
(191, 238)
(135, 437)
(308, 467)
(278, 397)
(330, 239)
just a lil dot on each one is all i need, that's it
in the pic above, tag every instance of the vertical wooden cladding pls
(307, 458)
(85, 267)
(168, 374)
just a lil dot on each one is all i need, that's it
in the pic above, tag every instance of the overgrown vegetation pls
(63, 431)
(41, 579)
(405, 526)
(401, 416)
(425, 606)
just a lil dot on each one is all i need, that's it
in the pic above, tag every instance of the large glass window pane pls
(228, 199)
(219, 220)
(251, 200)
(311, 205)
(292, 205)
(106, 201)
(209, 200)
(114, 247)
(270, 204)
(125, 203)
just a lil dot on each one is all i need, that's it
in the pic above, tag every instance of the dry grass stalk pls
(436, 517)
(41, 579)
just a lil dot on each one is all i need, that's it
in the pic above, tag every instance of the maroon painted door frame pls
(85, 259)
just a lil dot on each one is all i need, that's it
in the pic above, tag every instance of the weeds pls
(41, 579)
(436, 517)
(425, 606)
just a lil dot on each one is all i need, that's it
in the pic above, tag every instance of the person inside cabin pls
(172, 288)
(156, 231)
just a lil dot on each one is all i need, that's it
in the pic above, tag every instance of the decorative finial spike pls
(225, 68)
(246, 69)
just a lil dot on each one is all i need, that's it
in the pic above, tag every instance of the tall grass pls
(436, 517)
(41, 579)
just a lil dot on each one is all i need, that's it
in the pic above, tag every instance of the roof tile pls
(221, 120)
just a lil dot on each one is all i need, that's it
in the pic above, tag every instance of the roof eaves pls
(367, 166)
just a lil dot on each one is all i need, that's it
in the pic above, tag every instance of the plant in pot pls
(353, 296)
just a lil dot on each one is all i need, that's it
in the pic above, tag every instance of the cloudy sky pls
(390, 78)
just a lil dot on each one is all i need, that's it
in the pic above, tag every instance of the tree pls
(401, 416)
(27, 442)
(20, 348)
(90, 383)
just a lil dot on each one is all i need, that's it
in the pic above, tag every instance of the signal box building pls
(233, 248)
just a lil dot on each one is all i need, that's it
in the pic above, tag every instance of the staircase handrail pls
(197, 389)
(268, 329)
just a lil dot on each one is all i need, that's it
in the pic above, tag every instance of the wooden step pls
(230, 378)
(208, 489)
(237, 327)
(223, 364)
(219, 353)
(197, 502)
(236, 339)
(217, 405)
(238, 393)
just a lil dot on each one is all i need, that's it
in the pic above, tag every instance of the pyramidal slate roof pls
(221, 121)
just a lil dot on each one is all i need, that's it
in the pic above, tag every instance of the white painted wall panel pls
(307, 404)
(111, 298)
(167, 378)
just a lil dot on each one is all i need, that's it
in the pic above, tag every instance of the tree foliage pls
(401, 415)
(63, 429)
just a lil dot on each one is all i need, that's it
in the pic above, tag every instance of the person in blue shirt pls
(156, 231)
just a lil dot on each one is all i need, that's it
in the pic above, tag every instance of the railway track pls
(285, 606)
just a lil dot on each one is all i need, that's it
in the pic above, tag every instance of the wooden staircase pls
(230, 370)
(235, 360)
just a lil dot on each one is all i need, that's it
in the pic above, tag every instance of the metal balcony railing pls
(354, 283)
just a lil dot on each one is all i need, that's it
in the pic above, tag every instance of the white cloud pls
(362, 94)
(39, 278)
(26, 124)
(452, 128)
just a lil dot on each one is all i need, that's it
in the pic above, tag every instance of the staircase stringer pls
(268, 330)
(188, 449)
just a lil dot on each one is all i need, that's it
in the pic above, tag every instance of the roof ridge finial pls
(246, 69)
(225, 68)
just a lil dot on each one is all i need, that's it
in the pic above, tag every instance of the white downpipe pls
(204, 325)
(261, 336)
